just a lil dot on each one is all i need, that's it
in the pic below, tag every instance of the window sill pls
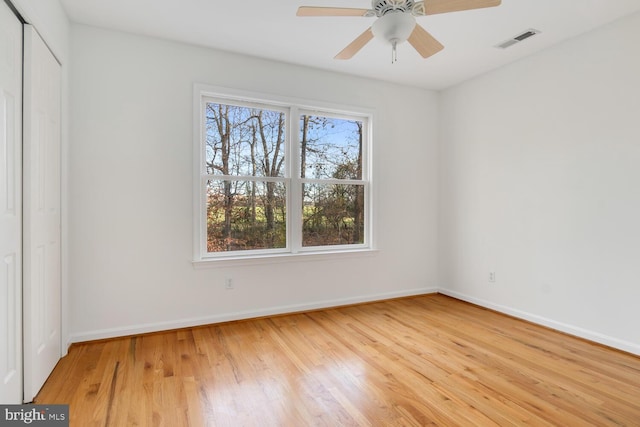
(281, 258)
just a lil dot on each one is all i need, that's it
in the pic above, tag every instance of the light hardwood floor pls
(427, 360)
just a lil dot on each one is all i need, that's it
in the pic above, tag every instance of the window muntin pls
(276, 178)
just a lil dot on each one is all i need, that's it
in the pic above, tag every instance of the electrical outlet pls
(492, 276)
(228, 283)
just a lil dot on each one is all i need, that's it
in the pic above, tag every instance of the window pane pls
(244, 141)
(332, 214)
(330, 148)
(245, 215)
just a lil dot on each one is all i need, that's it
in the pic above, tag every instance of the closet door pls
(10, 206)
(41, 212)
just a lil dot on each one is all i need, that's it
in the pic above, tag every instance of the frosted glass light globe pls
(394, 27)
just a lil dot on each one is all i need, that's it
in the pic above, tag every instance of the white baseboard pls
(248, 314)
(550, 323)
(240, 315)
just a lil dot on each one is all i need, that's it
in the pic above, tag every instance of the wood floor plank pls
(419, 361)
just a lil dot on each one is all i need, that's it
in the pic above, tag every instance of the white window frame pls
(293, 109)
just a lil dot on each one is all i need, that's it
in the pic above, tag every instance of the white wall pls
(540, 173)
(131, 184)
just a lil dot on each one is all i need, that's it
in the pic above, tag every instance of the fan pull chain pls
(394, 52)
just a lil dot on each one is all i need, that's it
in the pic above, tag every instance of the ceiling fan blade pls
(433, 7)
(330, 11)
(355, 46)
(423, 42)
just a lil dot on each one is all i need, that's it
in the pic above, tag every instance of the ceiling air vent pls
(517, 39)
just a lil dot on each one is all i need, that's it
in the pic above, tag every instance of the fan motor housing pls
(382, 7)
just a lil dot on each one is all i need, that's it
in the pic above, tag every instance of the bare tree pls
(272, 161)
(219, 115)
(246, 205)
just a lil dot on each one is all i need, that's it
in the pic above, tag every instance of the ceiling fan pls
(396, 22)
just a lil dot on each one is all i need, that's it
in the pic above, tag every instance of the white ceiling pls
(270, 29)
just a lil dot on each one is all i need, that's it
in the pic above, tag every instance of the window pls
(279, 178)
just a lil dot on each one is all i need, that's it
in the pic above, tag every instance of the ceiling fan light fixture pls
(395, 22)
(394, 27)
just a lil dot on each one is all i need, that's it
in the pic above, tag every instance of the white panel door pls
(10, 207)
(41, 212)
